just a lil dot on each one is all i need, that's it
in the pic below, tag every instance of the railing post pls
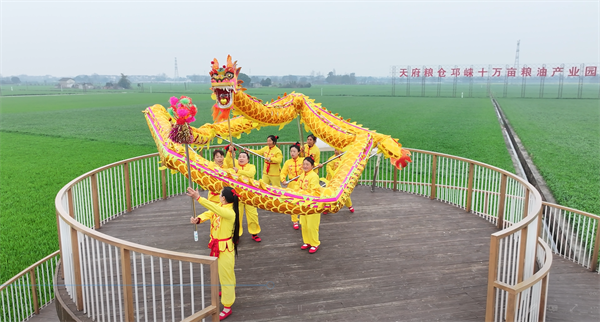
(95, 203)
(214, 289)
(501, 201)
(62, 271)
(526, 204)
(71, 208)
(470, 186)
(433, 175)
(36, 307)
(76, 269)
(395, 179)
(127, 186)
(510, 307)
(70, 201)
(522, 251)
(492, 268)
(596, 248)
(543, 296)
(127, 284)
(163, 176)
(540, 218)
(376, 172)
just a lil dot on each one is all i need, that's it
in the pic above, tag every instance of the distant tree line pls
(266, 82)
(289, 81)
(92, 79)
(332, 78)
(246, 79)
(10, 80)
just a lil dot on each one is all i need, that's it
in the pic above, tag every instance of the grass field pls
(46, 141)
(563, 139)
(435, 124)
(32, 170)
(416, 89)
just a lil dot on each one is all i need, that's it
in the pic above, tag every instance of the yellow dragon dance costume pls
(251, 113)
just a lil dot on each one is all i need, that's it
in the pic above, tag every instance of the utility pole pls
(176, 74)
(517, 56)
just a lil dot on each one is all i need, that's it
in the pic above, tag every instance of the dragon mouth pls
(224, 96)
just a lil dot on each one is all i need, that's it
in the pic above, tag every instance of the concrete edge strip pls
(531, 172)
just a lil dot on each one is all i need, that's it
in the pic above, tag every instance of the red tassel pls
(219, 114)
(402, 162)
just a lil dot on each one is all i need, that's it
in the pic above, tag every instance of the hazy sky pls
(70, 38)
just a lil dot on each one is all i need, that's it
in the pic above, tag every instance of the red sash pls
(214, 246)
(268, 164)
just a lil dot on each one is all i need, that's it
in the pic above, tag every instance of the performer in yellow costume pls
(218, 161)
(292, 168)
(310, 149)
(224, 237)
(309, 181)
(273, 158)
(243, 168)
(331, 169)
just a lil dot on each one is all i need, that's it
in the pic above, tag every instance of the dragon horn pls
(237, 71)
(229, 64)
(215, 64)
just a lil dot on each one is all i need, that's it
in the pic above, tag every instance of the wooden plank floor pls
(573, 293)
(47, 314)
(399, 257)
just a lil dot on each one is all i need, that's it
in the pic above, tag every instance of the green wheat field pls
(48, 137)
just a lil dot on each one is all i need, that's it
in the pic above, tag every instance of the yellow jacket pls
(222, 219)
(332, 167)
(215, 196)
(271, 168)
(309, 181)
(247, 170)
(291, 168)
(314, 151)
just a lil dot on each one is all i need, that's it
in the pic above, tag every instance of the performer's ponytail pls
(310, 160)
(273, 138)
(295, 146)
(231, 196)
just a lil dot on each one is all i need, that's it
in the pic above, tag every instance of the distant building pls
(84, 86)
(66, 82)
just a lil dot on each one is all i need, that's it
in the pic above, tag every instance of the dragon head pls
(225, 83)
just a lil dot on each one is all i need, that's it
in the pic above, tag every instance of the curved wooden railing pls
(106, 277)
(112, 279)
(507, 201)
(572, 234)
(30, 290)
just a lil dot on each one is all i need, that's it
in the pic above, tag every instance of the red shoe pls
(313, 249)
(351, 209)
(219, 293)
(325, 213)
(256, 238)
(223, 315)
(305, 246)
(296, 226)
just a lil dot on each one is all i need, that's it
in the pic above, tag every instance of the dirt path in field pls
(521, 160)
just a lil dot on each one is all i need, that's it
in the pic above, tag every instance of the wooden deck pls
(399, 257)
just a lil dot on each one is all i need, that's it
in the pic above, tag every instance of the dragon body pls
(251, 113)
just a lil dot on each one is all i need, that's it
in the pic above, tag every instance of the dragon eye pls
(229, 75)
